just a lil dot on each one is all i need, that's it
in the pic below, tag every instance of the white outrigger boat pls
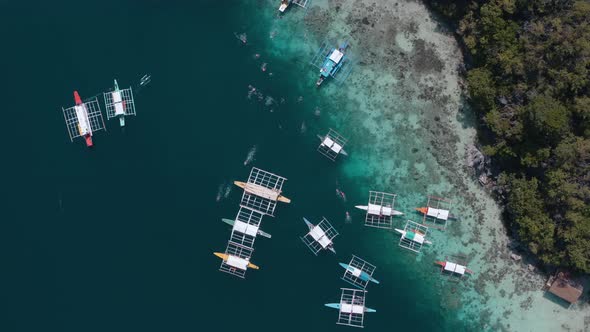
(320, 236)
(232, 222)
(379, 210)
(119, 103)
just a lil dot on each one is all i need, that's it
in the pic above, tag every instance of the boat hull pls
(364, 275)
(337, 306)
(231, 222)
(424, 210)
(280, 198)
(224, 257)
(88, 139)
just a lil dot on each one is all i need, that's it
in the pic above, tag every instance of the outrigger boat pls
(334, 146)
(332, 63)
(436, 213)
(453, 267)
(235, 261)
(284, 5)
(416, 237)
(353, 308)
(119, 104)
(321, 236)
(261, 191)
(84, 127)
(379, 210)
(359, 273)
(231, 222)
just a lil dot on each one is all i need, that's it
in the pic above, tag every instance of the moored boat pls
(84, 127)
(332, 62)
(436, 213)
(231, 222)
(352, 307)
(379, 210)
(414, 236)
(119, 104)
(262, 191)
(284, 5)
(453, 267)
(359, 273)
(235, 261)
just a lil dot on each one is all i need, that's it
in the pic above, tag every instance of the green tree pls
(548, 116)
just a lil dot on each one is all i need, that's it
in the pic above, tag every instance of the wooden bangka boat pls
(237, 262)
(261, 191)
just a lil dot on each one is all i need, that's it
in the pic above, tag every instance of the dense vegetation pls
(528, 79)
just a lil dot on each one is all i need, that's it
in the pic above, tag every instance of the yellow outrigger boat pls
(263, 192)
(227, 258)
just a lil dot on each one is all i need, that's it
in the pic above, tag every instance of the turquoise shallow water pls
(121, 237)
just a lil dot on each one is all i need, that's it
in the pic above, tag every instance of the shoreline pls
(407, 85)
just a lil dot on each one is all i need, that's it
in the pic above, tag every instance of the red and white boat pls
(84, 127)
(83, 119)
(453, 267)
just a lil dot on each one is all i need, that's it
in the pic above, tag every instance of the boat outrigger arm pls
(263, 192)
(235, 261)
(231, 222)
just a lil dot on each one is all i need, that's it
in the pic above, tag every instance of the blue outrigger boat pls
(333, 64)
(354, 309)
(359, 273)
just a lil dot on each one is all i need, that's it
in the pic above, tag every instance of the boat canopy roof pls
(118, 103)
(351, 308)
(336, 56)
(355, 271)
(438, 213)
(415, 237)
(245, 228)
(82, 115)
(379, 210)
(237, 262)
(453, 267)
(318, 234)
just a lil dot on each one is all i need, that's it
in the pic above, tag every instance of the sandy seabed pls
(403, 111)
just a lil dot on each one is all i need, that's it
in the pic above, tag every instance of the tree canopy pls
(528, 79)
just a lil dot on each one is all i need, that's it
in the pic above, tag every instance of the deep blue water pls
(120, 237)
